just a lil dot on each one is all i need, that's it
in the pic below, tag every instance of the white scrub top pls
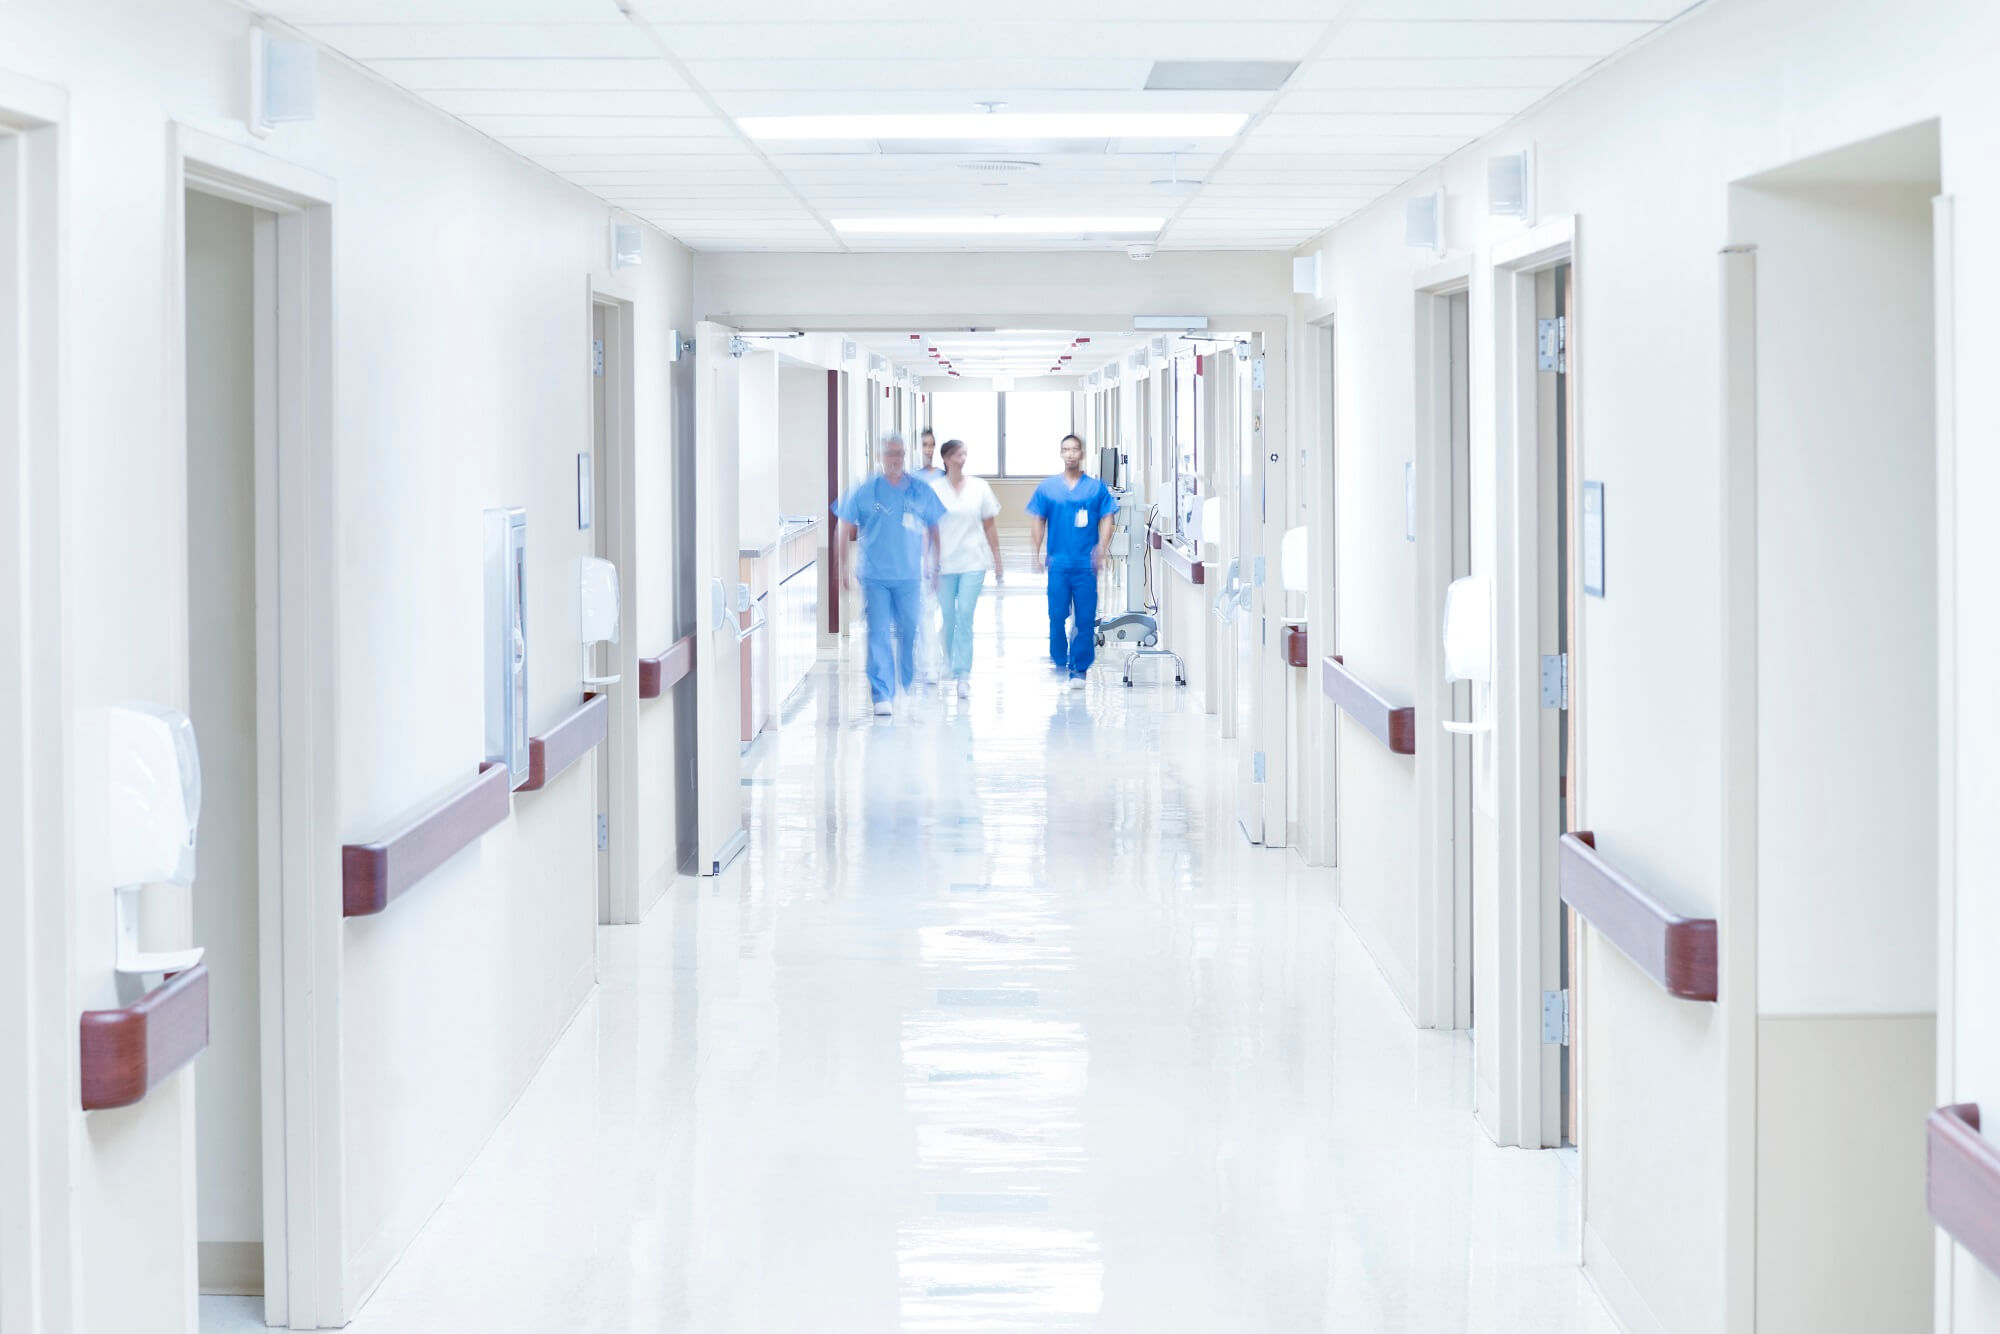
(962, 531)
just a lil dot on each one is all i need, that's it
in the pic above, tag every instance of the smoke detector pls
(1139, 250)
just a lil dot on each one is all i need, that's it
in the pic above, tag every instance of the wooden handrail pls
(1677, 952)
(1298, 652)
(128, 1052)
(371, 874)
(1962, 1181)
(659, 675)
(1186, 566)
(568, 741)
(1393, 727)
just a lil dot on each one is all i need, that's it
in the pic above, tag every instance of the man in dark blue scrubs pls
(1072, 513)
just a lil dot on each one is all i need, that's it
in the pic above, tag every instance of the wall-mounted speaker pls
(284, 81)
(1305, 276)
(1510, 185)
(1423, 221)
(627, 245)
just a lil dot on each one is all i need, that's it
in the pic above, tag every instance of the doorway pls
(1835, 873)
(228, 660)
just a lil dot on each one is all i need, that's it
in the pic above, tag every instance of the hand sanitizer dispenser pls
(138, 796)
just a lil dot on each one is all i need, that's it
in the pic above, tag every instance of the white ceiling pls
(1021, 353)
(640, 110)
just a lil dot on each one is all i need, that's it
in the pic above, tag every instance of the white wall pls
(1642, 155)
(460, 383)
(222, 693)
(802, 440)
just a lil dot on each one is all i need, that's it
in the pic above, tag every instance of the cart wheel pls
(1128, 683)
(1180, 680)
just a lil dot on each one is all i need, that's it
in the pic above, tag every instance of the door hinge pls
(1555, 1017)
(1555, 680)
(1257, 375)
(1257, 767)
(597, 356)
(739, 345)
(1552, 344)
(604, 833)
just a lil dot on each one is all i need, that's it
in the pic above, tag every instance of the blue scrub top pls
(892, 520)
(1072, 514)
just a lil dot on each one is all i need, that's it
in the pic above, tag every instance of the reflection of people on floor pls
(895, 515)
(1072, 512)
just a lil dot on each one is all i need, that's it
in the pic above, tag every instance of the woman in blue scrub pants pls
(896, 515)
(1073, 512)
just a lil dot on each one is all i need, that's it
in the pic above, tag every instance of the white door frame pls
(1319, 808)
(1944, 260)
(620, 512)
(299, 895)
(719, 808)
(39, 1243)
(1443, 964)
(1526, 958)
(1264, 512)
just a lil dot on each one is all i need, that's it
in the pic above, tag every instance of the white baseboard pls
(1628, 1309)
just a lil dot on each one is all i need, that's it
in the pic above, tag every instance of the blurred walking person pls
(968, 546)
(930, 649)
(1072, 513)
(895, 515)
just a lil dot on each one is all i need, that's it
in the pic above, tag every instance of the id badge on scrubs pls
(910, 521)
(1083, 518)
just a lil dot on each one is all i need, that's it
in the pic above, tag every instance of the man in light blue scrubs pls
(896, 515)
(1073, 512)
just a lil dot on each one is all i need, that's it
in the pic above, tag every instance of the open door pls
(719, 809)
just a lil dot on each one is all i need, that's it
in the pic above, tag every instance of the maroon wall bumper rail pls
(1186, 566)
(1393, 727)
(128, 1052)
(659, 675)
(1677, 952)
(568, 741)
(371, 874)
(1962, 1181)
(1298, 653)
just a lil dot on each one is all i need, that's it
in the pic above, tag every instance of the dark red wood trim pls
(1962, 1181)
(579, 732)
(1677, 952)
(371, 874)
(128, 1052)
(1297, 652)
(659, 675)
(833, 552)
(1393, 727)
(1182, 564)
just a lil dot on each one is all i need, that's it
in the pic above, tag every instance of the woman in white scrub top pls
(968, 546)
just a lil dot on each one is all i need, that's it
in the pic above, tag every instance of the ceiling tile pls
(307, 13)
(627, 131)
(525, 75)
(1411, 101)
(568, 102)
(1423, 125)
(1537, 72)
(927, 40)
(485, 41)
(1416, 41)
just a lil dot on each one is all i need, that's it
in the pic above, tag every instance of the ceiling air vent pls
(1259, 76)
(997, 165)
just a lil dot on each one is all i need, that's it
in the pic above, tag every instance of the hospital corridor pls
(1311, 668)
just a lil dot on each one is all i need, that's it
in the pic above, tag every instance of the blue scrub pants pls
(958, 594)
(892, 606)
(1073, 595)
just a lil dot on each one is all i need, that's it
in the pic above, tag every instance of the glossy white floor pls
(998, 1025)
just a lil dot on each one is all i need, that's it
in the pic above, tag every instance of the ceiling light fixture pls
(1020, 125)
(997, 226)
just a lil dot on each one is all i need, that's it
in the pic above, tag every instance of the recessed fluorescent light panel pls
(982, 126)
(997, 226)
(1248, 76)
